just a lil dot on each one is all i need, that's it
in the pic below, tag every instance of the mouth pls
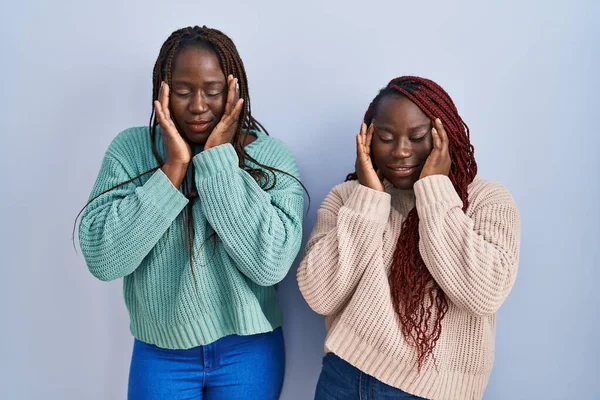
(198, 126)
(402, 170)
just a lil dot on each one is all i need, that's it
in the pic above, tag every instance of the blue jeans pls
(341, 381)
(233, 367)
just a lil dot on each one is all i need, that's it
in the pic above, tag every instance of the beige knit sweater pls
(472, 255)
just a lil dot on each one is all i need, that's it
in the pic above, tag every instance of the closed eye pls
(213, 93)
(386, 138)
(420, 137)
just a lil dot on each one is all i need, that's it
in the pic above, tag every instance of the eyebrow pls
(215, 82)
(419, 127)
(388, 128)
(180, 82)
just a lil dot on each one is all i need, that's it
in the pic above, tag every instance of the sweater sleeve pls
(347, 239)
(120, 227)
(472, 257)
(261, 229)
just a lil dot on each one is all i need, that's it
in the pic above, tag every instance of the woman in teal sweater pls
(201, 214)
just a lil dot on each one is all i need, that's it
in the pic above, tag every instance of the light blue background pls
(522, 73)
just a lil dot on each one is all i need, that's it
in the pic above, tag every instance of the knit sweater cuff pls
(216, 160)
(435, 189)
(160, 191)
(370, 203)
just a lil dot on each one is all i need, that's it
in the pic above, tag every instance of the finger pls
(237, 110)
(237, 91)
(158, 110)
(228, 99)
(363, 129)
(437, 143)
(361, 137)
(229, 103)
(227, 121)
(164, 100)
(234, 97)
(443, 136)
(369, 138)
(160, 115)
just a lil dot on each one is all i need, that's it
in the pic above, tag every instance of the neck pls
(197, 148)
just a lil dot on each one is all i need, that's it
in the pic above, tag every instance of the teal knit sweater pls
(136, 231)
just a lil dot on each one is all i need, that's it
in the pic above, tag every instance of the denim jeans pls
(341, 381)
(234, 367)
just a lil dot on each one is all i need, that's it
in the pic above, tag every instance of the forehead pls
(399, 111)
(197, 62)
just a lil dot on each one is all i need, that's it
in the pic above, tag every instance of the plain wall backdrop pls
(523, 74)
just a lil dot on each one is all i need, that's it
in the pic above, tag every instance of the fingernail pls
(439, 121)
(433, 130)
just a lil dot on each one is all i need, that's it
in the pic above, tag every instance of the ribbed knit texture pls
(136, 231)
(472, 255)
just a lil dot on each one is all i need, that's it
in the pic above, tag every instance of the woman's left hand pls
(225, 129)
(438, 162)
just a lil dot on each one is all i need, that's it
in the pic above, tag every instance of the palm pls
(225, 129)
(367, 175)
(438, 162)
(178, 150)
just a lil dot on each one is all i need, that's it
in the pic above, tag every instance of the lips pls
(198, 126)
(402, 170)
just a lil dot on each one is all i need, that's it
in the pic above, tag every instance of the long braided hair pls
(231, 64)
(418, 300)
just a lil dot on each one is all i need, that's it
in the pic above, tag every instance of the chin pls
(406, 183)
(197, 138)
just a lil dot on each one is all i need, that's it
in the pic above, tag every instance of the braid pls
(231, 64)
(418, 300)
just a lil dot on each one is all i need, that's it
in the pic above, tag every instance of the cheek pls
(177, 108)
(379, 153)
(424, 149)
(217, 106)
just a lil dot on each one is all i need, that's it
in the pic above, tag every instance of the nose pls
(198, 103)
(402, 149)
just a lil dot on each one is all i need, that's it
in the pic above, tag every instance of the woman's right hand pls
(179, 152)
(367, 176)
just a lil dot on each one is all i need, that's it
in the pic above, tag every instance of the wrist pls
(175, 172)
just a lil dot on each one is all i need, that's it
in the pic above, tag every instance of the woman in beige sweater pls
(411, 257)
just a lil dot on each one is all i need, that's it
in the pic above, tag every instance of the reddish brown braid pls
(418, 300)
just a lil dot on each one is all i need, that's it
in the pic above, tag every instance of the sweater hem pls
(429, 383)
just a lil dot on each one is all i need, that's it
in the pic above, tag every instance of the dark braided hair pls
(231, 64)
(418, 300)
